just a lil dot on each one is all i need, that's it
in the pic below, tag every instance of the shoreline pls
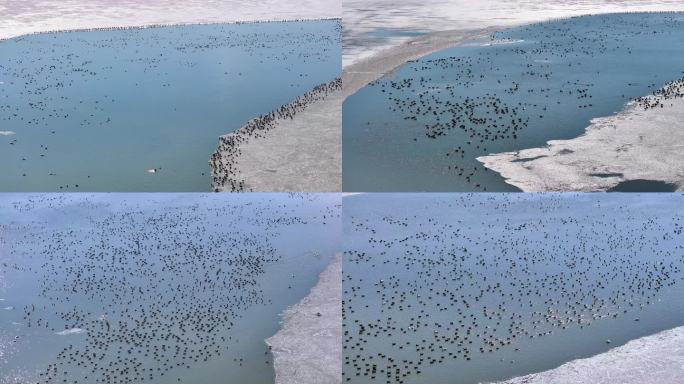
(307, 349)
(161, 25)
(361, 73)
(643, 142)
(282, 150)
(49, 16)
(657, 358)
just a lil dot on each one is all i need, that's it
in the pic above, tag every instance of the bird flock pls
(478, 286)
(78, 100)
(224, 161)
(152, 288)
(526, 86)
(660, 97)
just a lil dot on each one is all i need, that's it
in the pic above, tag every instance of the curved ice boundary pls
(295, 148)
(643, 143)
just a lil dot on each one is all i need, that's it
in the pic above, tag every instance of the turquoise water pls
(469, 288)
(93, 111)
(421, 127)
(155, 288)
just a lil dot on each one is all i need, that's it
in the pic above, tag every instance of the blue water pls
(421, 127)
(93, 111)
(469, 288)
(154, 288)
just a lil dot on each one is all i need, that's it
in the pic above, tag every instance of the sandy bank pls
(638, 143)
(27, 17)
(357, 75)
(653, 359)
(308, 348)
(297, 148)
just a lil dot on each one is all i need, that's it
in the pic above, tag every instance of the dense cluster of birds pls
(459, 282)
(224, 161)
(659, 98)
(145, 290)
(60, 87)
(518, 91)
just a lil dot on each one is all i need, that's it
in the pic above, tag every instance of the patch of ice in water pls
(72, 331)
(502, 42)
(7, 133)
(491, 43)
(8, 308)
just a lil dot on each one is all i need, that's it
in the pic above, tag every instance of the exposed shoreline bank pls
(307, 349)
(656, 358)
(644, 142)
